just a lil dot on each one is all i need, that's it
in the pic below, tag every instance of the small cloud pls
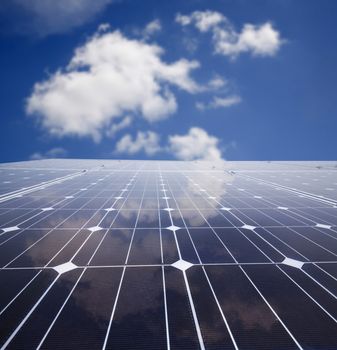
(190, 43)
(104, 27)
(203, 20)
(147, 142)
(217, 82)
(45, 17)
(259, 40)
(151, 29)
(197, 144)
(183, 19)
(124, 123)
(56, 152)
(219, 102)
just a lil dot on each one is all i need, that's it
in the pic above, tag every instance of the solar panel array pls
(168, 255)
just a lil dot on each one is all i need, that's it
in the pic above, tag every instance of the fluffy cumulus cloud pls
(219, 102)
(56, 152)
(259, 40)
(147, 142)
(44, 17)
(197, 144)
(110, 76)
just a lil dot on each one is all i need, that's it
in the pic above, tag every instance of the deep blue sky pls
(289, 101)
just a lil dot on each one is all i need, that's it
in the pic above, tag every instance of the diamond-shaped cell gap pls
(47, 209)
(63, 268)
(248, 227)
(182, 265)
(282, 208)
(323, 226)
(168, 209)
(173, 228)
(118, 197)
(68, 197)
(292, 262)
(95, 228)
(226, 208)
(166, 197)
(10, 229)
(109, 209)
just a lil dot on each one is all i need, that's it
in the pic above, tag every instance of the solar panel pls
(103, 254)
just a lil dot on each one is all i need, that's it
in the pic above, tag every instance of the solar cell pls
(104, 254)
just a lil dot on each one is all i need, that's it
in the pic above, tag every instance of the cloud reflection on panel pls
(235, 303)
(191, 196)
(130, 309)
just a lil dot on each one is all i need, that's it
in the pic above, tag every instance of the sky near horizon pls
(196, 79)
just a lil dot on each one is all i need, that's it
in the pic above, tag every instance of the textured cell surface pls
(102, 254)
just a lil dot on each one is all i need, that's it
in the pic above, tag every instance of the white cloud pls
(217, 82)
(124, 123)
(44, 17)
(219, 102)
(108, 77)
(56, 152)
(190, 43)
(203, 20)
(197, 144)
(259, 40)
(151, 29)
(147, 141)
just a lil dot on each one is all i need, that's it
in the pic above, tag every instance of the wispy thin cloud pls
(219, 102)
(151, 28)
(56, 152)
(44, 17)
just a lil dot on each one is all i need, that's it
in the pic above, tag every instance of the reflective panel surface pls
(102, 254)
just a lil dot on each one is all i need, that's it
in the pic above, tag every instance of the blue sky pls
(197, 79)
